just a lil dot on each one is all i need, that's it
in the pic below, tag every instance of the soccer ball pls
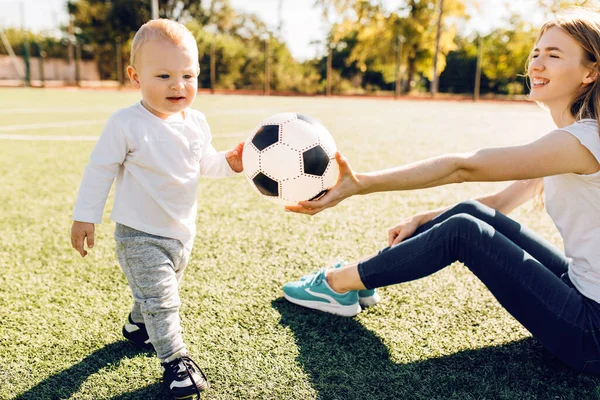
(289, 158)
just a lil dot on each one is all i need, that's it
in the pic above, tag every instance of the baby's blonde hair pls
(166, 29)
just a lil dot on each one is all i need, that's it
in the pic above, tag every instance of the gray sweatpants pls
(154, 267)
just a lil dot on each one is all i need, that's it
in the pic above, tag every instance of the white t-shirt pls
(157, 164)
(573, 202)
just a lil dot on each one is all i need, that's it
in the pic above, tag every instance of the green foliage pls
(506, 52)
(52, 46)
(372, 34)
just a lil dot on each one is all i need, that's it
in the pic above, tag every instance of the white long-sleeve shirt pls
(157, 164)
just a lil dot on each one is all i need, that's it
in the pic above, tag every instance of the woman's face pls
(556, 70)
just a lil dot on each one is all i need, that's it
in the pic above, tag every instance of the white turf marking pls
(89, 138)
(14, 128)
(49, 138)
(52, 110)
(70, 110)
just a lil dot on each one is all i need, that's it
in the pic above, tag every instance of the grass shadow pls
(155, 391)
(67, 382)
(344, 360)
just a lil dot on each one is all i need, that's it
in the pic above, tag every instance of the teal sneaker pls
(366, 298)
(313, 291)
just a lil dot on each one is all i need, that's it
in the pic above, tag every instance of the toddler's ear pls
(133, 76)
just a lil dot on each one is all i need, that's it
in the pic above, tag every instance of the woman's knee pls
(465, 223)
(472, 207)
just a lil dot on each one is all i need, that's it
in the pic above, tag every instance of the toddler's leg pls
(153, 269)
(136, 313)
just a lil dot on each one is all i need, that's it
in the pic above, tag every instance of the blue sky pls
(302, 24)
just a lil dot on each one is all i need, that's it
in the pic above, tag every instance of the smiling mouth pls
(539, 82)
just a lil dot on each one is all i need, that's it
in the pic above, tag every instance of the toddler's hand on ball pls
(234, 157)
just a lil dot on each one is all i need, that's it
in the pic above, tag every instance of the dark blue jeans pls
(523, 271)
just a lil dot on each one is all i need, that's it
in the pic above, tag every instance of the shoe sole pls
(344, 311)
(369, 301)
(190, 396)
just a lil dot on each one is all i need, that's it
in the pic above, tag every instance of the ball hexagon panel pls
(250, 159)
(303, 187)
(280, 162)
(299, 135)
(315, 161)
(266, 136)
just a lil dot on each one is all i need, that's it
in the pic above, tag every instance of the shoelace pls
(190, 367)
(317, 278)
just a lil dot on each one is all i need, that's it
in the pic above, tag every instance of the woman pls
(554, 295)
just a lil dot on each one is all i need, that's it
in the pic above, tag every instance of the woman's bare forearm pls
(432, 172)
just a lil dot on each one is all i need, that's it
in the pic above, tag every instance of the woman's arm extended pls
(556, 153)
(559, 152)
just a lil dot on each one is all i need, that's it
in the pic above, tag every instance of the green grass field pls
(443, 337)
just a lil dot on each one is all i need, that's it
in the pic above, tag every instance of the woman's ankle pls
(333, 281)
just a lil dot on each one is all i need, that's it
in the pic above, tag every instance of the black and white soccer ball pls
(289, 158)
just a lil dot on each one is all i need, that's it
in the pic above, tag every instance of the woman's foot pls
(313, 291)
(366, 297)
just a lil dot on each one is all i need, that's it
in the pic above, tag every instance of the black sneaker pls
(137, 333)
(184, 378)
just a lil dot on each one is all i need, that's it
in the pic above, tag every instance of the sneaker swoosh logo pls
(322, 296)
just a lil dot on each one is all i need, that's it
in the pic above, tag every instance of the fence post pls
(267, 88)
(213, 67)
(77, 63)
(329, 68)
(119, 61)
(398, 86)
(435, 83)
(478, 70)
(41, 56)
(25, 47)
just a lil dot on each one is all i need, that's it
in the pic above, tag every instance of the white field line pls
(64, 124)
(70, 110)
(90, 138)
(57, 110)
(49, 138)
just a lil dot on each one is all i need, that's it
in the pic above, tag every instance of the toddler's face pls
(167, 75)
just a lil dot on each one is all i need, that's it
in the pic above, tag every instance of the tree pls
(101, 23)
(377, 31)
(506, 53)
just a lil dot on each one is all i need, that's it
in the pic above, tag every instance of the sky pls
(302, 23)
